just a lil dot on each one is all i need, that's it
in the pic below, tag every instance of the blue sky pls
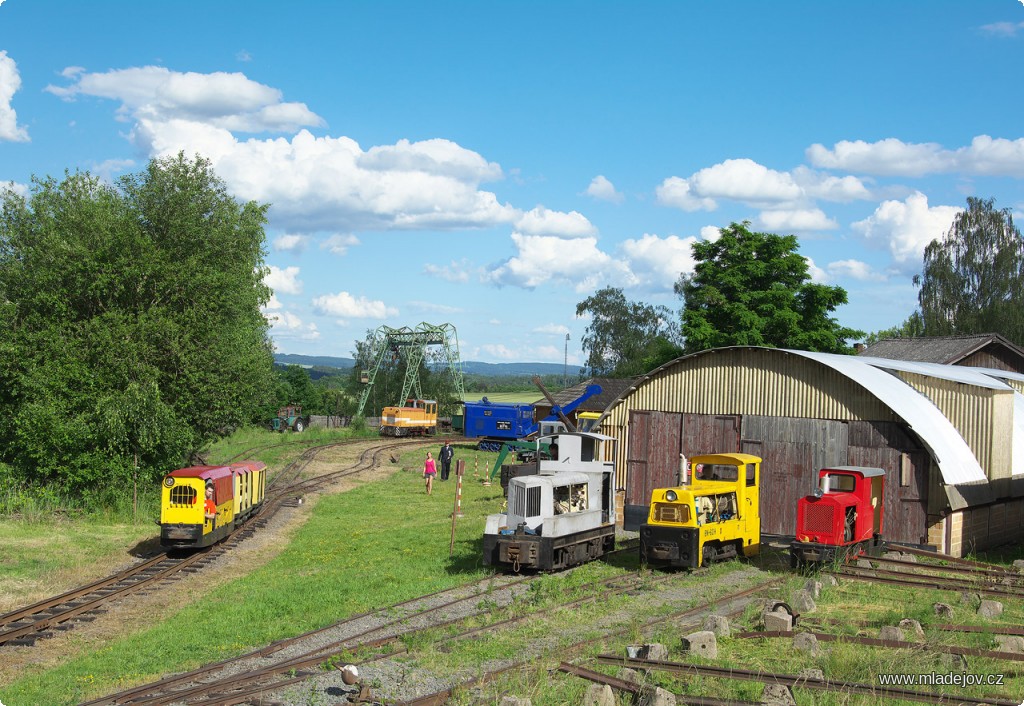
(491, 164)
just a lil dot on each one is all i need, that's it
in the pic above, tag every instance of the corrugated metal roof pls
(956, 373)
(936, 349)
(956, 462)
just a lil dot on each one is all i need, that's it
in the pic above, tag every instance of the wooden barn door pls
(710, 434)
(652, 461)
(888, 446)
(785, 470)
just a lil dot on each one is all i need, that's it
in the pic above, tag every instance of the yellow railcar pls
(716, 515)
(416, 418)
(238, 491)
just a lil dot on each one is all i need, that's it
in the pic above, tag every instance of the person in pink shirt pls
(429, 471)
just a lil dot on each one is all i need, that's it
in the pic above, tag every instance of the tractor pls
(289, 417)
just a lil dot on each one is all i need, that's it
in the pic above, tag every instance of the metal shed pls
(940, 435)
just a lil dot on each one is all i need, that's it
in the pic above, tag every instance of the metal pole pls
(565, 368)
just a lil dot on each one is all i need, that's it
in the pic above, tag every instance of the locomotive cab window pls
(841, 484)
(718, 471)
(183, 495)
(570, 498)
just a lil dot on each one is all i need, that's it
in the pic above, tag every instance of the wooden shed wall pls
(745, 381)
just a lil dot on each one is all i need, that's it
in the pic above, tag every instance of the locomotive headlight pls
(169, 482)
(671, 496)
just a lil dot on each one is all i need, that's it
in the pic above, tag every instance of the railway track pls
(303, 657)
(24, 626)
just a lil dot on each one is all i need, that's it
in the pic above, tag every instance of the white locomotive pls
(561, 515)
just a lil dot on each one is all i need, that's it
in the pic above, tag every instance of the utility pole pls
(565, 366)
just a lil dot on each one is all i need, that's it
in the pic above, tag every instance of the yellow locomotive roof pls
(735, 459)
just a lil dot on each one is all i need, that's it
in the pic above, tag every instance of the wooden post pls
(460, 467)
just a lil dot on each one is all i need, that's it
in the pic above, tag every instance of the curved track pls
(23, 626)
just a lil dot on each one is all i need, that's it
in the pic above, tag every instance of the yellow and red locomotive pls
(237, 492)
(842, 518)
(417, 417)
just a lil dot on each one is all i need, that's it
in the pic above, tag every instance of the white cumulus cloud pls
(542, 259)
(602, 189)
(291, 243)
(283, 280)
(541, 221)
(657, 262)
(455, 271)
(553, 329)
(224, 100)
(710, 233)
(817, 275)
(339, 244)
(854, 269)
(754, 184)
(799, 220)
(313, 183)
(285, 325)
(10, 82)
(345, 305)
(986, 156)
(906, 227)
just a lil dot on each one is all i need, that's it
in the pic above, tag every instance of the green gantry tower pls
(412, 344)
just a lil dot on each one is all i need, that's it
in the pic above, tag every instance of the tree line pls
(755, 289)
(133, 334)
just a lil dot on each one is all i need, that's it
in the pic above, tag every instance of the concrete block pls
(888, 632)
(803, 602)
(990, 609)
(656, 696)
(718, 624)
(806, 642)
(630, 675)
(599, 695)
(703, 644)
(913, 628)
(777, 695)
(778, 621)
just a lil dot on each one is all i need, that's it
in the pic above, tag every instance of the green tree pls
(973, 278)
(132, 323)
(626, 338)
(911, 328)
(753, 289)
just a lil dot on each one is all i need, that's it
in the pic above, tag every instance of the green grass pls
(527, 396)
(38, 560)
(322, 577)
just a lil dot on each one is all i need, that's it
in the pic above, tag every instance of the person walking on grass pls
(429, 471)
(445, 457)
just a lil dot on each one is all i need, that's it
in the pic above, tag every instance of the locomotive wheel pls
(708, 555)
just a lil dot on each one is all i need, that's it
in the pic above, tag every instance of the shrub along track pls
(373, 641)
(23, 626)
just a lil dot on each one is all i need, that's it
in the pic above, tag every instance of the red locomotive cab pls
(844, 511)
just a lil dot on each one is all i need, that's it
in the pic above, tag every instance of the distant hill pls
(469, 367)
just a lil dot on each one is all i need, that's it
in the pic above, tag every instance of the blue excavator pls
(557, 420)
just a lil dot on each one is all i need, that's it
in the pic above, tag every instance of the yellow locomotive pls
(236, 492)
(715, 515)
(416, 418)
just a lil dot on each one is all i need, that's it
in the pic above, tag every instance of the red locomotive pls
(842, 518)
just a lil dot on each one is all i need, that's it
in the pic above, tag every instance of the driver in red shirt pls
(209, 506)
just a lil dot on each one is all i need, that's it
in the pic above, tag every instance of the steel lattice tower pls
(412, 344)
